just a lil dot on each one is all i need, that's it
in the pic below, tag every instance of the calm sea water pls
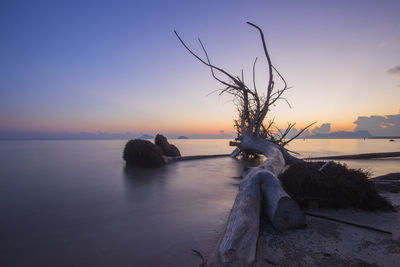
(72, 203)
(324, 147)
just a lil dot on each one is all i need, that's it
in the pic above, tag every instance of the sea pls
(73, 202)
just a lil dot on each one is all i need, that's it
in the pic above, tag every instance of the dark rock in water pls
(167, 148)
(143, 153)
(183, 137)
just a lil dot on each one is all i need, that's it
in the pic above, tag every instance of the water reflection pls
(73, 203)
(186, 204)
(137, 176)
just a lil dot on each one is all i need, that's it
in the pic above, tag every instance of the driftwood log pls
(183, 158)
(388, 183)
(259, 188)
(362, 156)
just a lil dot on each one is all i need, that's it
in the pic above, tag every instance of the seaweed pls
(333, 186)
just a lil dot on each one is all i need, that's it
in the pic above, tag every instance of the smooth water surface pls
(331, 147)
(73, 203)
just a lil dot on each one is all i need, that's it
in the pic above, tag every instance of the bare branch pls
(294, 137)
(290, 126)
(254, 76)
(221, 70)
(280, 76)
(207, 63)
(270, 82)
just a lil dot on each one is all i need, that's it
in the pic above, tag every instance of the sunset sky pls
(117, 66)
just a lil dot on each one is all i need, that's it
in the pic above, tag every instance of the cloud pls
(366, 126)
(394, 71)
(388, 125)
(305, 133)
(323, 129)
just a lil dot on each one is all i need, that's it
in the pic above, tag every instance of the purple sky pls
(116, 66)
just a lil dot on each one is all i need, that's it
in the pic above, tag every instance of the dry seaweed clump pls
(335, 186)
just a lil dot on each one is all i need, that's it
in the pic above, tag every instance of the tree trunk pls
(283, 212)
(238, 246)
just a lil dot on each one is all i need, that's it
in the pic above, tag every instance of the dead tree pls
(252, 106)
(255, 135)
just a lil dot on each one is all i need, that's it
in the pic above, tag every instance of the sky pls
(116, 66)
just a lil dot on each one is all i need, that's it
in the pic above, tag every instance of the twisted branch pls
(252, 107)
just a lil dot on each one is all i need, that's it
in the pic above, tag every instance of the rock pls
(167, 148)
(143, 153)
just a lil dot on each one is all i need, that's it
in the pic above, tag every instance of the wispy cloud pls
(394, 71)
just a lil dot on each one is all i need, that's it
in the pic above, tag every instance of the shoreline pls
(327, 243)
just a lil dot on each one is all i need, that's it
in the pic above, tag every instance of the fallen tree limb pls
(286, 155)
(282, 211)
(235, 153)
(362, 156)
(395, 176)
(238, 246)
(347, 222)
(392, 187)
(173, 159)
(388, 183)
(260, 184)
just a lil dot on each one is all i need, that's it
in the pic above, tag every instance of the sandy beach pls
(329, 243)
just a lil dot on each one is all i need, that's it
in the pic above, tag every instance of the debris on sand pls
(332, 185)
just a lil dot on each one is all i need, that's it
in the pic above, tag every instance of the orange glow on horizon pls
(181, 128)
